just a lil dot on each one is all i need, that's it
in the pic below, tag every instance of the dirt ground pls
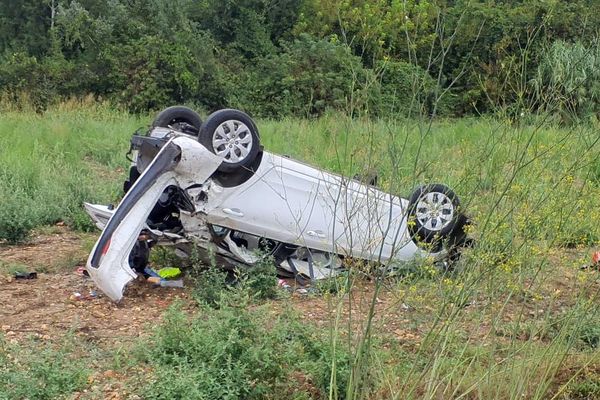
(47, 307)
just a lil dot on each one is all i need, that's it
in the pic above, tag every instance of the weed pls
(12, 268)
(260, 279)
(210, 285)
(233, 353)
(47, 373)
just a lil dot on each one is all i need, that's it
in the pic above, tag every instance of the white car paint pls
(285, 200)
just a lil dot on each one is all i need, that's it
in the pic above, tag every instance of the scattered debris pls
(172, 283)
(595, 262)
(596, 258)
(26, 275)
(81, 271)
(76, 296)
(150, 272)
(156, 278)
(283, 284)
(169, 272)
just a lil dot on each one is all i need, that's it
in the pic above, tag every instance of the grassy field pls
(517, 318)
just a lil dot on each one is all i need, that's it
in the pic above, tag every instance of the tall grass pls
(515, 319)
(50, 164)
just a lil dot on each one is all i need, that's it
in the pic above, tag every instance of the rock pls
(109, 374)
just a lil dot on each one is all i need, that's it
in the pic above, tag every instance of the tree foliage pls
(294, 57)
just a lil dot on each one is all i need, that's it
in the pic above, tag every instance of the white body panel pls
(291, 202)
(113, 271)
(285, 200)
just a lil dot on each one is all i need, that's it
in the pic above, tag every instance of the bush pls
(568, 80)
(261, 279)
(234, 353)
(307, 78)
(17, 216)
(406, 89)
(48, 373)
(209, 286)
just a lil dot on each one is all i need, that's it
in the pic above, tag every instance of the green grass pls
(51, 164)
(31, 370)
(515, 319)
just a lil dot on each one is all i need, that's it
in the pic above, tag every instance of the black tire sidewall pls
(178, 114)
(418, 232)
(214, 120)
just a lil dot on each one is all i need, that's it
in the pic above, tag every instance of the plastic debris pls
(282, 283)
(595, 262)
(76, 296)
(150, 272)
(156, 279)
(172, 283)
(26, 275)
(81, 271)
(169, 272)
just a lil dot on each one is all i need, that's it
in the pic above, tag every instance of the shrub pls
(48, 373)
(309, 77)
(234, 353)
(567, 80)
(261, 279)
(17, 216)
(406, 89)
(209, 285)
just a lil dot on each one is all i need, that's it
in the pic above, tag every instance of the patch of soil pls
(46, 250)
(47, 307)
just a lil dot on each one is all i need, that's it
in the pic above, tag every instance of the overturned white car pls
(211, 187)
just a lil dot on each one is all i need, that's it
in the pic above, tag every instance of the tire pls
(433, 216)
(180, 118)
(233, 135)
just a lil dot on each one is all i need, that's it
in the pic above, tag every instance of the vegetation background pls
(498, 99)
(276, 58)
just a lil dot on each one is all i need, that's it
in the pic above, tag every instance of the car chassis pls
(210, 189)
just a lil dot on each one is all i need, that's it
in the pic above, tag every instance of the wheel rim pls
(232, 140)
(434, 211)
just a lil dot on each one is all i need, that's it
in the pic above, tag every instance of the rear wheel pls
(232, 135)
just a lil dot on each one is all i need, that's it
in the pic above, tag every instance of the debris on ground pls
(283, 284)
(156, 278)
(26, 275)
(169, 272)
(595, 262)
(171, 283)
(76, 296)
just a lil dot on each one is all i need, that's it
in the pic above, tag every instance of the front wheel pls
(433, 215)
(180, 118)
